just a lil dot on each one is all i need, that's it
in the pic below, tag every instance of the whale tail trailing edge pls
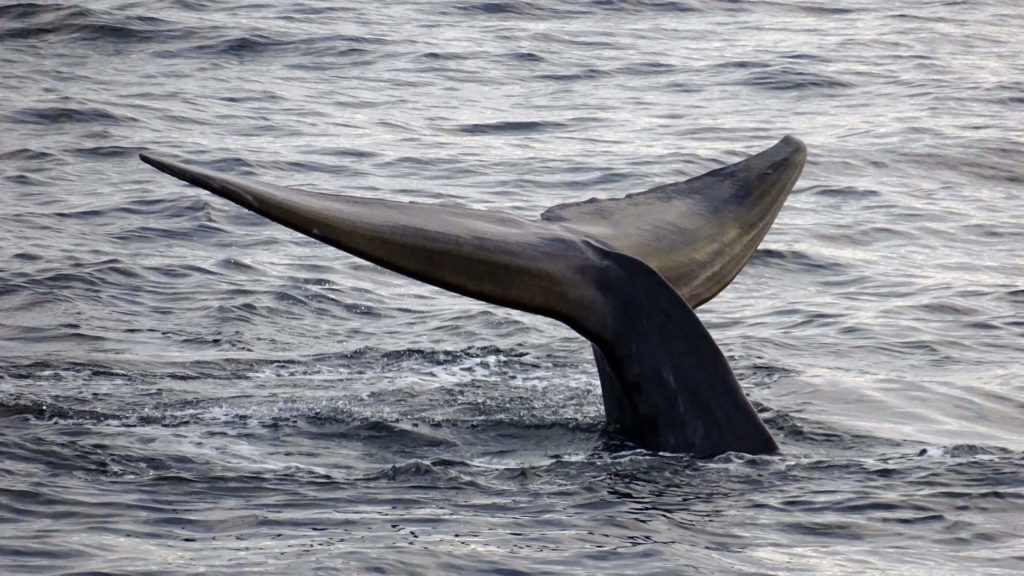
(619, 272)
(696, 234)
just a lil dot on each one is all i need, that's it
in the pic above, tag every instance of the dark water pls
(185, 387)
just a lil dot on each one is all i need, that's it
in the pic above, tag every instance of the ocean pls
(186, 387)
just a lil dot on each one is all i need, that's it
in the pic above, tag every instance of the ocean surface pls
(186, 387)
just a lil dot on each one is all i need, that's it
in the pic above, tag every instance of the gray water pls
(186, 387)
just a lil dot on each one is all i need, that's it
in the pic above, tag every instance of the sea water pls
(186, 387)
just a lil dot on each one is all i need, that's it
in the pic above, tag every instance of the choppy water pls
(186, 387)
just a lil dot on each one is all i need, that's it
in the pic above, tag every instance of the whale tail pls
(619, 272)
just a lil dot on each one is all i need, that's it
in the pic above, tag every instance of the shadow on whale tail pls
(623, 273)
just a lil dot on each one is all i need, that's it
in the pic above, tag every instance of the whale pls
(624, 273)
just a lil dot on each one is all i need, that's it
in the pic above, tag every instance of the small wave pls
(965, 452)
(22, 10)
(584, 74)
(240, 46)
(28, 257)
(526, 57)
(147, 234)
(793, 259)
(314, 56)
(107, 152)
(790, 429)
(444, 357)
(645, 5)
(510, 7)
(232, 265)
(37, 22)
(790, 78)
(509, 127)
(28, 155)
(31, 20)
(345, 46)
(444, 56)
(344, 152)
(1015, 296)
(27, 180)
(48, 410)
(65, 115)
(826, 10)
(744, 64)
(943, 309)
(166, 209)
(414, 436)
(646, 69)
(419, 472)
(843, 192)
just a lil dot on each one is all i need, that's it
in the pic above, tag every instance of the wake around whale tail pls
(623, 273)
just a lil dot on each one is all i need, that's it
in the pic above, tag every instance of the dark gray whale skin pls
(624, 273)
